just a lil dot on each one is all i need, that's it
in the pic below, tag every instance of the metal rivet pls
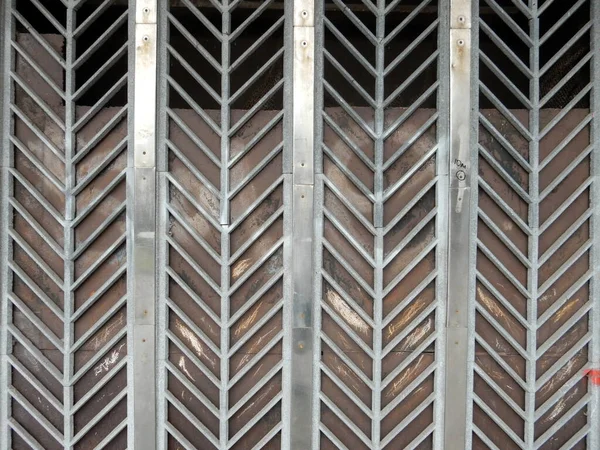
(461, 42)
(304, 14)
(461, 175)
(302, 196)
(146, 38)
(146, 10)
(461, 19)
(304, 43)
(143, 340)
(143, 153)
(302, 164)
(301, 345)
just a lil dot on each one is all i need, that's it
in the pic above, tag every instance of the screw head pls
(304, 14)
(146, 38)
(146, 10)
(461, 19)
(461, 175)
(303, 43)
(460, 42)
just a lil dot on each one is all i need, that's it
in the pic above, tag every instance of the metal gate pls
(332, 224)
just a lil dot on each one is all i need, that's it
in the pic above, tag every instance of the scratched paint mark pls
(193, 340)
(496, 311)
(240, 268)
(415, 337)
(258, 400)
(184, 369)
(348, 375)
(558, 378)
(565, 310)
(248, 321)
(560, 406)
(253, 348)
(103, 337)
(406, 377)
(348, 314)
(109, 361)
(404, 317)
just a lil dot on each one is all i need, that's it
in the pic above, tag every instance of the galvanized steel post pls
(459, 229)
(302, 228)
(142, 189)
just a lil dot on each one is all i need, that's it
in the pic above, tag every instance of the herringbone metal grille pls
(64, 286)
(222, 206)
(534, 303)
(380, 259)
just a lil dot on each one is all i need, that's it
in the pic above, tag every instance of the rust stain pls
(347, 313)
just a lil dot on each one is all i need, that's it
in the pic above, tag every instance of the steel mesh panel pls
(64, 199)
(533, 304)
(222, 226)
(380, 262)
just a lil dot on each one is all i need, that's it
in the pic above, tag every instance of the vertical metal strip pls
(143, 213)
(162, 255)
(534, 221)
(474, 199)
(459, 238)
(5, 193)
(69, 231)
(442, 163)
(225, 114)
(302, 228)
(593, 412)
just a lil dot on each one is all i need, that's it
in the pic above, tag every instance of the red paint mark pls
(593, 375)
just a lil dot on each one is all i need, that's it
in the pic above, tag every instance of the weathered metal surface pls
(231, 371)
(142, 229)
(65, 286)
(222, 229)
(379, 302)
(533, 329)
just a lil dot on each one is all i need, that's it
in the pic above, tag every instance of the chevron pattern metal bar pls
(534, 331)
(380, 224)
(223, 227)
(64, 289)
